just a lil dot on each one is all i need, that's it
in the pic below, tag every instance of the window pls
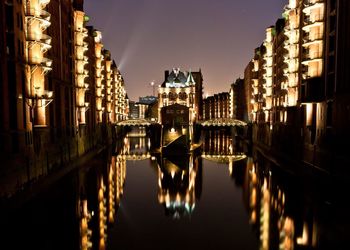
(172, 96)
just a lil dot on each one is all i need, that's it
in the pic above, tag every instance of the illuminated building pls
(248, 89)
(282, 96)
(59, 88)
(300, 85)
(238, 109)
(258, 98)
(217, 106)
(184, 88)
(80, 33)
(134, 110)
(148, 99)
(37, 45)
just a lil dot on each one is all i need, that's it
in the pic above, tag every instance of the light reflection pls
(270, 209)
(85, 231)
(220, 147)
(179, 184)
(179, 181)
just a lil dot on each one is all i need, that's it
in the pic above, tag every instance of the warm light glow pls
(303, 240)
(309, 114)
(265, 217)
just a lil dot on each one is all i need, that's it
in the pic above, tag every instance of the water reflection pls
(180, 184)
(272, 203)
(85, 209)
(135, 147)
(100, 194)
(220, 146)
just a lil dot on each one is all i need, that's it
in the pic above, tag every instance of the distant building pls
(249, 94)
(147, 99)
(239, 98)
(216, 106)
(134, 112)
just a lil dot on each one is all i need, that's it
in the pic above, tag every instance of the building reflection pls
(100, 192)
(136, 146)
(85, 231)
(220, 146)
(179, 184)
(279, 214)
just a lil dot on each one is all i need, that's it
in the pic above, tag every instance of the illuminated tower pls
(80, 33)
(108, 84)
(179, 88)
(313, 43)
(37, 20)
(292, 32)
(268, 72)
(99, 77)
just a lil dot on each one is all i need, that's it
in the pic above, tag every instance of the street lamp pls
(152, 84)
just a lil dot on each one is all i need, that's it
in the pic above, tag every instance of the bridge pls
(223, 122)
(217, 122)
(135, 156)
(223, 158)
(135, 123)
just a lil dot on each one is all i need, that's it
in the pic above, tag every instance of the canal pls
(223, 196)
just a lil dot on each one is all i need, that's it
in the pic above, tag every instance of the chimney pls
(166, 75)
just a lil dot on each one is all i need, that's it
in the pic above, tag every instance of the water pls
(219, 198)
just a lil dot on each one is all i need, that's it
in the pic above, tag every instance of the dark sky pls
(147, 37)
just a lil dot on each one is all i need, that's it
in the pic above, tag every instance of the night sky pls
(147, 37)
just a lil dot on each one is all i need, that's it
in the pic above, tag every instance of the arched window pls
(172, 96)
(182, 96)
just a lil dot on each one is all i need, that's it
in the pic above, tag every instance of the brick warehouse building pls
(60, 90)
(299, 83)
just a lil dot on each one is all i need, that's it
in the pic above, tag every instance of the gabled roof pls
(181, 78)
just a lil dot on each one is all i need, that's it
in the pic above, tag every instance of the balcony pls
(313, 19)
(312, 90)
(312, 57)
(82, 61)
(312, 39)
(309, 5)
(312, 2)
(41, 61)
(44, 2)
(42, 39)
(41, 98)
(40, 15)
(38, 37)
(313, 22)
